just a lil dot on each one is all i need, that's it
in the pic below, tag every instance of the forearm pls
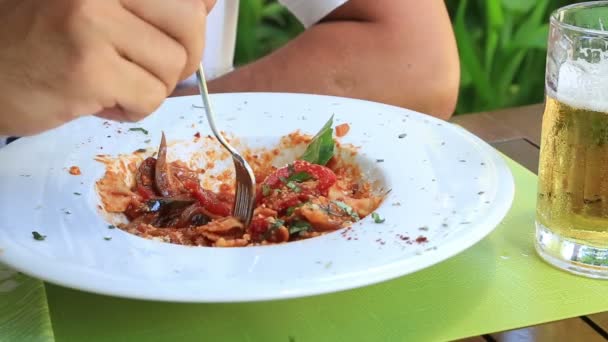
(374, 60)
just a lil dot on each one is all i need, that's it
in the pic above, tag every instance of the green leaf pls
(290, 210)
(136, 129)
(274, 11)
(321, 148)
(294, 187)
(273, 227)
(491, 44)
(37, 236)
(347, 209)
(519, 6)
(299, 226)
(468, 56)
(536, 39)
(377, 218)
(299, 177)
(495, 15)
(265, 190)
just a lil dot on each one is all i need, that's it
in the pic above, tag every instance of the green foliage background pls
(502, 46)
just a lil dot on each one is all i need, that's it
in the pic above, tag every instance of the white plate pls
(452, 188)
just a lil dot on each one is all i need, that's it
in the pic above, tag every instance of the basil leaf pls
(294, 187)
(321, 148)
(265, 190)
(347, 209)
(299, 226)
(299, 177)
(377, 218)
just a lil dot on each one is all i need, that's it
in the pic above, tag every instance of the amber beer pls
(573, 173)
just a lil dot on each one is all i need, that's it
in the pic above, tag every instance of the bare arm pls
(398, 52)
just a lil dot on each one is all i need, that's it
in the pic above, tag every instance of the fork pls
(245, 179)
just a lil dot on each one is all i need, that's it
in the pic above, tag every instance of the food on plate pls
(317, 193)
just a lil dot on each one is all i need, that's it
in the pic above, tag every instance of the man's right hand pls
(61, 59)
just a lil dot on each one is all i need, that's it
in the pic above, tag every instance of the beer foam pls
(583, 85)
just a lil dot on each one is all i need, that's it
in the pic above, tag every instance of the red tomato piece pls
(208, 199)
(324, 176)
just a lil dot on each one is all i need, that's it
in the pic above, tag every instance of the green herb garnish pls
(377, 218)
(402, 135)
(321, 148)
(290, 211)
(77, 193)
(298, 227)
(294, 187)
(299, 177)
(265, 190)
(107, 238)
(273, 227)
(37, 236)
(135, 129)
(140, 150)
(111, 226)
(347, 209)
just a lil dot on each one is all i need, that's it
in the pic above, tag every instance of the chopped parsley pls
(107, 238)
(273, 227)
(402, 135)
(347, 209)
(147, 141)
(138, 129)
(77, 193)
(140, 150)
(265, 190)
(293, 187)
(277, 224)
(298, 227)
(37, 236)
(111, 226)
(377, 218)
(290, 211)
(299, 177)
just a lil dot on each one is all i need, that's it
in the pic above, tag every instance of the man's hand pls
(62, 59)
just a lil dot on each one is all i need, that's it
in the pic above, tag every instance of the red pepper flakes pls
(75, 171)
(197, 135)
(421, 239)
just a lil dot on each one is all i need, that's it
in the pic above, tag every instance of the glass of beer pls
(572, 204)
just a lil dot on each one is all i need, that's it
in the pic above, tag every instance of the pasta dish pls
(317, 193)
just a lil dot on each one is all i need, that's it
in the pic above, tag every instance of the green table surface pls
(496, 285)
